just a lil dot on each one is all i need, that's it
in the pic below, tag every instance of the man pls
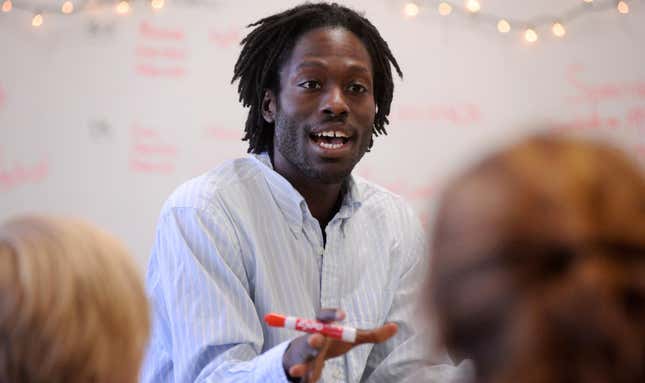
(288, 229)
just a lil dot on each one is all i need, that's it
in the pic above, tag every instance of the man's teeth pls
(329, 146)
(331, 134)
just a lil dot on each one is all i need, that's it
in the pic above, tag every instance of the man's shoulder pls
(230, 177)
(372, 193)
(385, 206)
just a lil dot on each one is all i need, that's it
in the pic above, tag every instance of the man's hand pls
(306, 355)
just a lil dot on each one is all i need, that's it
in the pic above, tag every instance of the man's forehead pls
(314, 46)
(312, 62)
(327, 38)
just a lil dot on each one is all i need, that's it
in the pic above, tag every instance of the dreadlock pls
(269, 44)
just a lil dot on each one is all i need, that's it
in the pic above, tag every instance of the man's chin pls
(329, 177)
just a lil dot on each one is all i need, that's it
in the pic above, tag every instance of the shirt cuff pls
(269, 365)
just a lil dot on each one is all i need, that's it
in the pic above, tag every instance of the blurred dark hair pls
(538, 264)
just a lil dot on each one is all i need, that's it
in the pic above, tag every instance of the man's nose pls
(334, 103)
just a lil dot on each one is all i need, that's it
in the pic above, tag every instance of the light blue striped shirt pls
(239, 242)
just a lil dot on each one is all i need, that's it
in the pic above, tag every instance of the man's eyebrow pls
(310, 64)
(359, 68)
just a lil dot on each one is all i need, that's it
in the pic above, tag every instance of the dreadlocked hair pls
(269, 44)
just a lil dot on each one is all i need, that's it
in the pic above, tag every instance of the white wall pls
(102, 116)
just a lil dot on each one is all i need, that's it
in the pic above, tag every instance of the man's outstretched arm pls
(206, 328)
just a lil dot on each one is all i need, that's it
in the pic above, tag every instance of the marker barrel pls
(346, 334)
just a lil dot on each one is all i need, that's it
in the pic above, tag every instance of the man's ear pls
(269, 106)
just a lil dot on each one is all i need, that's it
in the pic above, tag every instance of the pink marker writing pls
(346, 334)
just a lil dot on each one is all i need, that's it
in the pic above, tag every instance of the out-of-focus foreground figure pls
(538, 265)
(72, 305)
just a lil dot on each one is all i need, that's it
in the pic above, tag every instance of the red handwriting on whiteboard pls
(217, 133)
(148, 31)
(459, 114)
(169, 53)
(636, 117)
(149, 153)
(160, 52)
(595, 93)
(18, 173)
(224, 38)
(149, 70)
(592, 122)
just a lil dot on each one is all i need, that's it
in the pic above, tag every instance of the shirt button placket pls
(337, 374)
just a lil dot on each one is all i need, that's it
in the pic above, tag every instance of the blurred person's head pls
(72, 305)
(538, 264)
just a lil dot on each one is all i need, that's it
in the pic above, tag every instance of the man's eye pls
(310, 84)
(357, 88)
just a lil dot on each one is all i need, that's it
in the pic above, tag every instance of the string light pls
(530, 35)
(473, 6)
(123, 7)
(558, 29)
(37, 20)
(6, 6)
(444, 9)
(411, 9)
(157, 4)
(67, 7)
(503, 26)
(622, 7)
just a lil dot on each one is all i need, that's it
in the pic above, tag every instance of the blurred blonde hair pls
(72, 304)
(538, 270)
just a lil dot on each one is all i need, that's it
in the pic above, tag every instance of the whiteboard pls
(102, 115)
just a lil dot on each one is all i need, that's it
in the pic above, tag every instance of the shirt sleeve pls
(410, 351)
(205, 326)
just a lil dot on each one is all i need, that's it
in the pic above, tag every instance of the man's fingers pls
(377, 335)
(316, 341)
(298, 370)
(330, 315)
(317, 365)
(311, 370)
(302, 350)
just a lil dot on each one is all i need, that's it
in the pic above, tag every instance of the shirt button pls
(337, 374)
(321, 250)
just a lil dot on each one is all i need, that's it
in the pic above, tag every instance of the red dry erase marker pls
(346, 334)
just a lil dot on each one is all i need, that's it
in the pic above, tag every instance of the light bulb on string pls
(157, 4)
(411, 9)
(530, 35)
(123, 7)
(37, 20)
(622, 7)
(7, 6)
(503, 26)
(558, 29)
(444, 9)
(473, 6)
(67, 7)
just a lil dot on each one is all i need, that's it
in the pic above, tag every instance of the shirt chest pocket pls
(367, 294)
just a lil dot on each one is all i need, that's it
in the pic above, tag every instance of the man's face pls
(325, 111)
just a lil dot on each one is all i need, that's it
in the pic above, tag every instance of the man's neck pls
(323, 200)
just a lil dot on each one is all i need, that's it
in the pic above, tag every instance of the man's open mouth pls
(331, 139)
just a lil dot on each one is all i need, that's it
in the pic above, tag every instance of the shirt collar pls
(291, 202)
